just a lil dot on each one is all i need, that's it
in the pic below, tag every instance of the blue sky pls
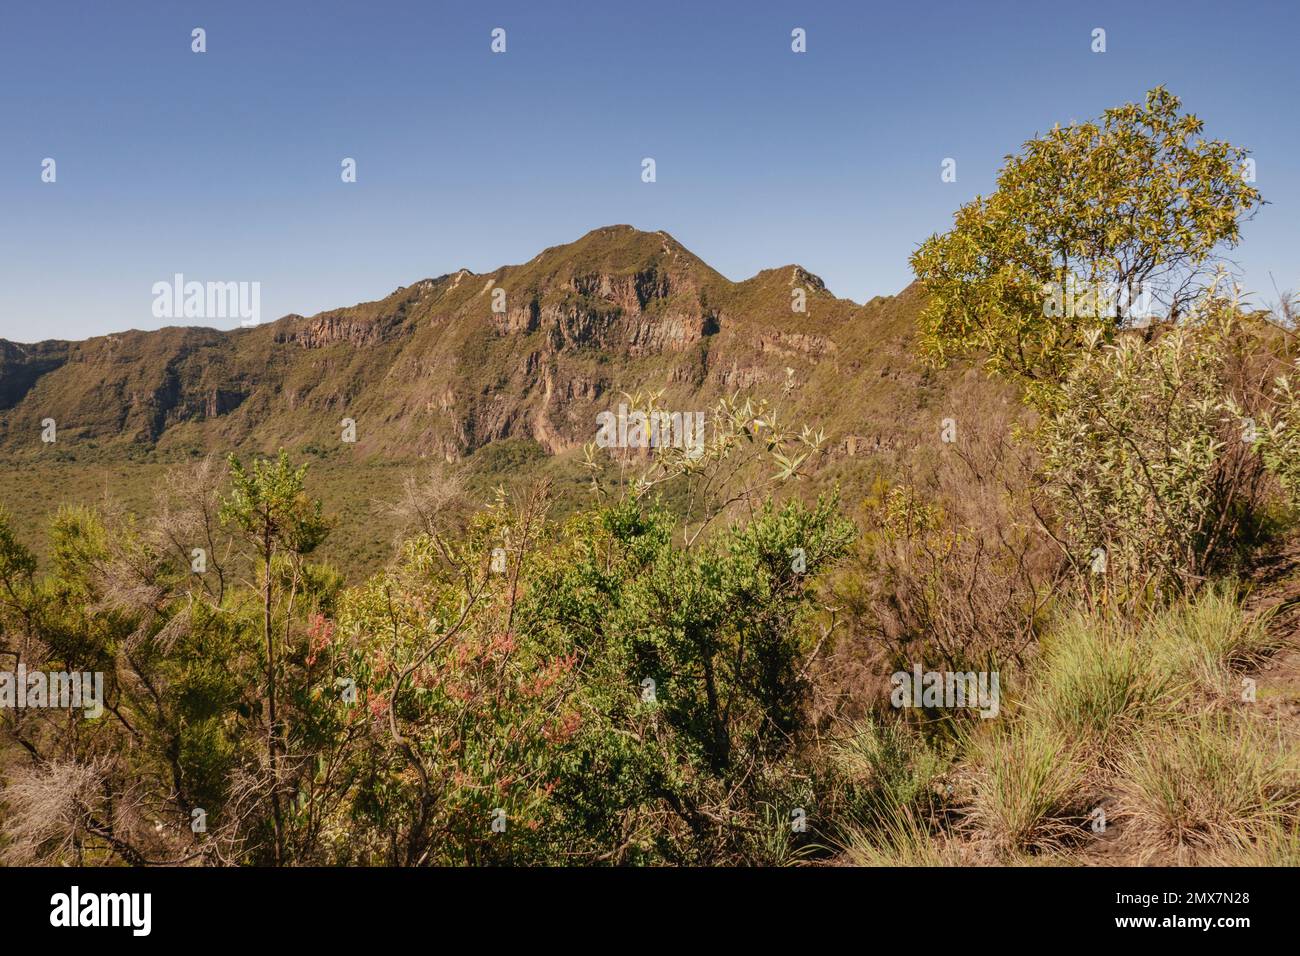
(224, 166)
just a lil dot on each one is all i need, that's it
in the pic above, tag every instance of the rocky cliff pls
(445, 366)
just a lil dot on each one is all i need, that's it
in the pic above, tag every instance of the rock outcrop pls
(445, 366)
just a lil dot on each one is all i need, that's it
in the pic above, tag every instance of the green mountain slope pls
(433, 370)
(433, 373)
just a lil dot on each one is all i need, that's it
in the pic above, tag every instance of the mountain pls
(433, 370)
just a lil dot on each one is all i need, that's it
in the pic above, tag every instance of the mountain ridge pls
(792, 267)
(446, 365)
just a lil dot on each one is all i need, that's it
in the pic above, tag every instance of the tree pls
(1092, 226)
(268, 504)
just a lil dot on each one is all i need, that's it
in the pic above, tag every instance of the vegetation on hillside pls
(703, 655)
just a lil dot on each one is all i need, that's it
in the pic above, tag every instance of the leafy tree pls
(1087, 221)
(268, 504)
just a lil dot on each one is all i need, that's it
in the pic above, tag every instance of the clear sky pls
(225, 166)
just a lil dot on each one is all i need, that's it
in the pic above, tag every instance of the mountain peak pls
(616, 251)
(623, 237)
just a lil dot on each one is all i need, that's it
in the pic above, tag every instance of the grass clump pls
(904, 839)
(1203, 642)
(1213, 782)
(891, 782)
(1025, 791)
(1096, 685)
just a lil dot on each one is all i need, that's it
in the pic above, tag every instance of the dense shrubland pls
(618, 687)
(694, 663)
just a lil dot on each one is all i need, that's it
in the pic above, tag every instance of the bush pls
(1144, 462)
(1279, 439)
(948, 570)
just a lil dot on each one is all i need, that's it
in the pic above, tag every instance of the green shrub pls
(1143, 460)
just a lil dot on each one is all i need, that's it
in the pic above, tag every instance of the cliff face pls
(22, 365)
(447, 365)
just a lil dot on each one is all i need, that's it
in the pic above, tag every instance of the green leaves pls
(1137, 458)
(1132, 204)
(16, 561)
(1279, 437)
(269, 504)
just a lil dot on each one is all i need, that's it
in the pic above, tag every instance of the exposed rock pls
(795, 343)
(332, 328)
(430, 369)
